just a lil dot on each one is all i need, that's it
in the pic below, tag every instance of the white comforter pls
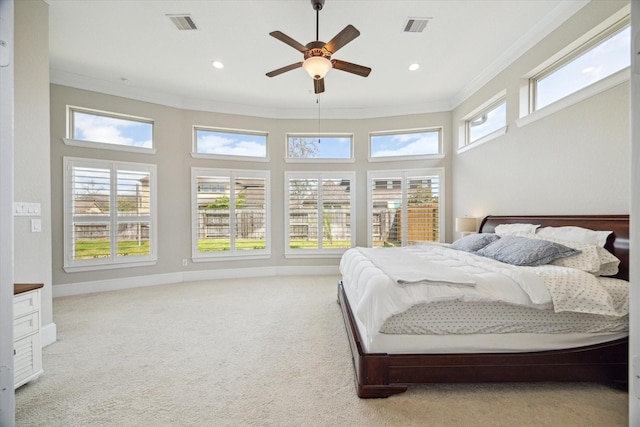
(375, 296)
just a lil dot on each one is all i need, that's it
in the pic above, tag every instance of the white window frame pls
(114, 261)
(196, 155)
(439, 155)
(590, 39)
(71, 141)
(318, 253)
(405, 175)
(464, 143)
(232, 174)
(289, 159)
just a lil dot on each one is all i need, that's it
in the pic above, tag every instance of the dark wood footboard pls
(382, 374)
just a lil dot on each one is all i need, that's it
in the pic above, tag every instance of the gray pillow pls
(517, 250)
(474, 242)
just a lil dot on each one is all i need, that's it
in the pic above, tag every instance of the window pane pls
(231, 143)
(387, 211)
(90, 189)
(489, 122)
(336, 211)
(303, 213)
(133, 239)
(111, 130)
(213, 214)
(595, 64)
(325, 147)
(90, 193)
(134, 194)
(406, 144)
(250, 212)
(423, 210)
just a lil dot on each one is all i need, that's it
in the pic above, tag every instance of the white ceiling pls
(97, 44)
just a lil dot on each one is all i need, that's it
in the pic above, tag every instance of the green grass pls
(216, 245)
(94, 248)
(313, 244)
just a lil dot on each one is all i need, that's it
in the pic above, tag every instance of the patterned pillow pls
(608, 263)
(522, 251)
(592, 258)
(474, 242)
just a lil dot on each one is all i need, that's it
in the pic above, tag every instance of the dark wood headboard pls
(617, 243)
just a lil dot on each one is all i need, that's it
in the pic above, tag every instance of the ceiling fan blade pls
(350, 68)
(284, 69)
(318, 85)
(342, 38)
(288, 40)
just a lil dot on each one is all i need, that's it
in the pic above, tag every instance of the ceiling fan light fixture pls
(317, 66)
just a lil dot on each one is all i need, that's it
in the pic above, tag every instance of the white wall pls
(32, 179)
(7, 395)
(572, 162)
(634, 297)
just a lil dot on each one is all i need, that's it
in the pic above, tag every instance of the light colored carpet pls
(256, 352)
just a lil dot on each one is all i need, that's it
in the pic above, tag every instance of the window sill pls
(105, 146)
(223, 157)
(493, 135)
(97, 267)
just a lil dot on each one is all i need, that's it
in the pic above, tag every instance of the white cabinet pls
(27, 364)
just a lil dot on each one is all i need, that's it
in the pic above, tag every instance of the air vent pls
(183, 22)
(415, 25)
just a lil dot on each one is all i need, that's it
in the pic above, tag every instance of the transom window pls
(109, 214)
(407, 144)
(488, 121)
(598, 58)
(119, 131)
(230, 142)
(231, 213)
(405, 207)
(307, 147)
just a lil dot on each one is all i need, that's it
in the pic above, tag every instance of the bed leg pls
(378, 391)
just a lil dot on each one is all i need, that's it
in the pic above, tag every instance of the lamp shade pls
(466, 225)
(317, 66)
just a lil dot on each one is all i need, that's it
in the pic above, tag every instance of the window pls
(216, 142)
(109, 214)
(305, 147)
(598, 58)
(487, 122)
(410, 144)
(320, 208)
(405, 207)
(231, 213)
(100, 129)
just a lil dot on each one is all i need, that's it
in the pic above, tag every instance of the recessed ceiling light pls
(414, 67)
(219, 65)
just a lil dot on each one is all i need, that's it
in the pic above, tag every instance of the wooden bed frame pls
(382, 374)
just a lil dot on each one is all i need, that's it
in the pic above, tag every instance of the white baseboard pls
(81, 288)
(48, 334)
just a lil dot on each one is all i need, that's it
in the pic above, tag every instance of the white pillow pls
(575, 234)
(609, 264)
(515, 229)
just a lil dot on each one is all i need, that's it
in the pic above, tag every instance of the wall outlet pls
(184, 262)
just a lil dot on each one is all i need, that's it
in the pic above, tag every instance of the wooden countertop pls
(19, 288)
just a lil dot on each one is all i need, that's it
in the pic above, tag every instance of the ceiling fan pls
(317, 55)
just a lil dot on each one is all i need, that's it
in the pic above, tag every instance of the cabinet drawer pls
(26, 325)
(25, 303)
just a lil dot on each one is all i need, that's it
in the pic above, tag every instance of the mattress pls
(504, 313)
